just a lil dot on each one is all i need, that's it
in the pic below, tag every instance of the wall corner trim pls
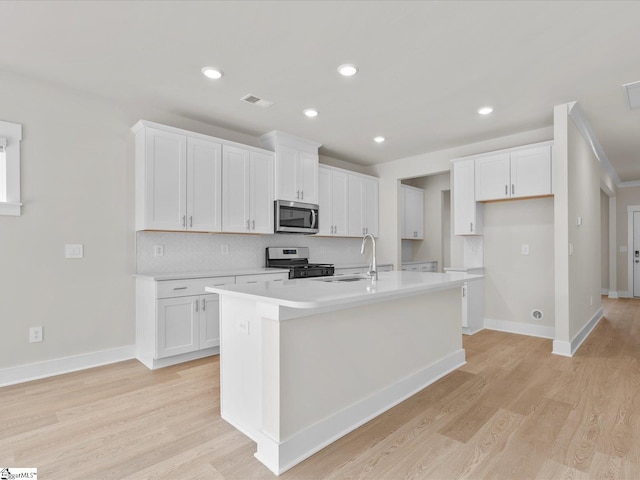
(568, 349)
(58, 366)
(584, 127)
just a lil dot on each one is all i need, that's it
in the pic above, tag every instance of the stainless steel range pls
(296, 259)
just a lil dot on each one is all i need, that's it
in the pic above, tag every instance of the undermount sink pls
(350, 278)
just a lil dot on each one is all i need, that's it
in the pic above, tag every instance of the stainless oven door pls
(295, 217)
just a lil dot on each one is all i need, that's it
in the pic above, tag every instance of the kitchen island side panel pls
(333, 360)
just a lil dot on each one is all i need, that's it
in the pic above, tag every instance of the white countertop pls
(360, 265)
(211, 273)
(316, 293)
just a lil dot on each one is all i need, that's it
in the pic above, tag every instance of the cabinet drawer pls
(429, 267)
(263, 277)
(190, 286)
(385, 268)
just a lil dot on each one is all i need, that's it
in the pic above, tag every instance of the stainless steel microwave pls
(295, 217)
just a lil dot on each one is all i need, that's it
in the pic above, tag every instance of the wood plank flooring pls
(515, 411)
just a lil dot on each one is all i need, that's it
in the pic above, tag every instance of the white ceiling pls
(425, 67)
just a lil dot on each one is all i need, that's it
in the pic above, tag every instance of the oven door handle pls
(314, 219)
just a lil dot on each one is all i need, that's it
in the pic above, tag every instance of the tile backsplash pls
(191, 252)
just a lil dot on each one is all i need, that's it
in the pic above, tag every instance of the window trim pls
(13, 134)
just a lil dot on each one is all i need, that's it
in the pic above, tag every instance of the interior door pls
(636, 254)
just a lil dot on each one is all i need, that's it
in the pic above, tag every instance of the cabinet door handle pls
(464, 292)
(506, 190)
(204, 305)
(197, 306)
(301, 194)
(253, 224)
(513, 189)
(191, 220)
(184, 221)
(472, 226)
(180, 288)
(248, 225)
(298, 194)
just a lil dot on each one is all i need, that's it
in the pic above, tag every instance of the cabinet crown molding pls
(275, 138)
(504, 150)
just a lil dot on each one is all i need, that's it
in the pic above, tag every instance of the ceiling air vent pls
(252, 99)
(632, 91)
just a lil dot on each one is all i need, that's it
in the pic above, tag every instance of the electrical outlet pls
(35, 334)
(158, 250)
(524, 249)
(73, 250)
(225, 249)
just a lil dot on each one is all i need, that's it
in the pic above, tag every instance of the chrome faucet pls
(373, 266)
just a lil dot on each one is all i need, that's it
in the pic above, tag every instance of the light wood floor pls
(513, 412)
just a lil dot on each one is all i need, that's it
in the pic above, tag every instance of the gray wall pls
(516, 284)
(77, 187)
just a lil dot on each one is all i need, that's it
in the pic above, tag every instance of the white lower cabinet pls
(178, 326)
(420, 267)
(176, 320)
(473, 307)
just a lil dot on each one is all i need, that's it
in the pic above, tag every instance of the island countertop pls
(332, 291)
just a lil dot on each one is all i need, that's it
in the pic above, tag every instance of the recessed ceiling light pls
(379, 139)
(485, 110)
(311, 112)
(212, 72)
(347, 70)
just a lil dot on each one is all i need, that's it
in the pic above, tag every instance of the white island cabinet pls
(388, 340)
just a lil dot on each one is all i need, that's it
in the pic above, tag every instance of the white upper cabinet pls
(333, 201)
(363, 205)
(296, 166)
(493, 180)
(161, 180)
(204, 195)
(178, 182)
(412, 213)
(247, 191)
(467, 216)
(520, 173)
(531, 172)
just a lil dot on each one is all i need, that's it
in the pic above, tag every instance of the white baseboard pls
(604, 291)
(279, 457)
(58, 366)
(568, 349)
(613, 294)
(471, 331)
(519, 328)
(623, 294)
(154, 363)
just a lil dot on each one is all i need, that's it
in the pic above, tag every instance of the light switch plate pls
(73, 250)
(524, 249)
(158, 250)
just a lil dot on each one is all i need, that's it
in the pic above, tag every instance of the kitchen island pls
(304, 362)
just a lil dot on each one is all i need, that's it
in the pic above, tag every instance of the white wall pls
(516, 284)
(576, 177)
(77, 187)
(392, 172)
(604, 240)
(431, 247)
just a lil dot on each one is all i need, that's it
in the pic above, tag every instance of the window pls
(10, 138)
